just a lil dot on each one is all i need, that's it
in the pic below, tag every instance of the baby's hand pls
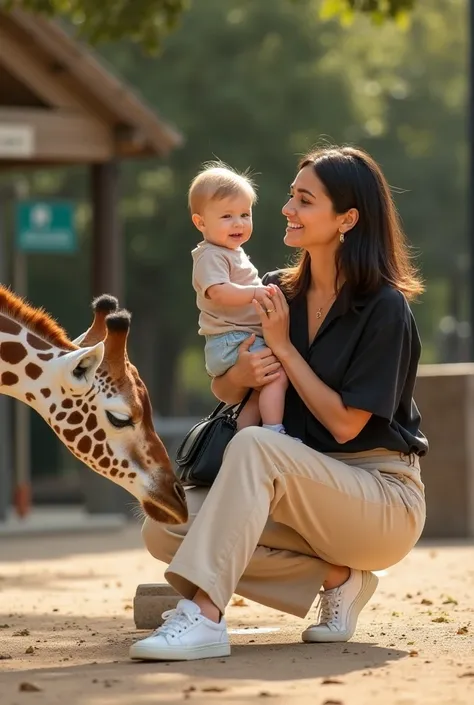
(262, 292)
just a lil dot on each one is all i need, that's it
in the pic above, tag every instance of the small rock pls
(426, 602)
(213, 689)
(5, 657)
(413, 653)
(22, 632)
(332, 681)
(30, 650)
(29, 688)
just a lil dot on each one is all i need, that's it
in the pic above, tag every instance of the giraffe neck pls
(26, 365)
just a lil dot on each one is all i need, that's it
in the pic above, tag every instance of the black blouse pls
(367, 349)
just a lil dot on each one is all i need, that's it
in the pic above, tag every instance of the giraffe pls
(92, 397)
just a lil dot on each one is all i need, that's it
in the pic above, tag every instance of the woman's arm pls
(252, 369)
(344, 423)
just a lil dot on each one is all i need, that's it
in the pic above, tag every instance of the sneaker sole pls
(150, 653)
(369, 585)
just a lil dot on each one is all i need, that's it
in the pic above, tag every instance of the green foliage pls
(149, 21)
(256, 84)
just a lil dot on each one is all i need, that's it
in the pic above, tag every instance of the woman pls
(286, 518)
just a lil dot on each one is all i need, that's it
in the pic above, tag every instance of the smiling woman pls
(287, 517)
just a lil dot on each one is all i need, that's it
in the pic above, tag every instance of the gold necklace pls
(319, 311)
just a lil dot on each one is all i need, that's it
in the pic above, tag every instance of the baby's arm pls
(228, 294)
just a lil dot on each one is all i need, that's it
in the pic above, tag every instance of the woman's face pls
(312, 220)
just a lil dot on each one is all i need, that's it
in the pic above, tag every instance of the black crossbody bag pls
(199, 456)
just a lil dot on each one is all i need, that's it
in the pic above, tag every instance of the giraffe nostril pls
(179, 492)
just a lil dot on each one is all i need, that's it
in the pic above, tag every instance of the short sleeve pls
(376, 375)
(211, 268)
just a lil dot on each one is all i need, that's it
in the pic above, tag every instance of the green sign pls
(45, 226)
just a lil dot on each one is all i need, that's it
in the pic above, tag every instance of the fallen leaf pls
(333, 702)
(332, 681)
(213, 689)
(463, 630)
(469, 674)
(450, 601)
(413, 653)
(28, 688)
(264, 694)
(238, 601)
(128, 607)
(439, 620)
(426, 602)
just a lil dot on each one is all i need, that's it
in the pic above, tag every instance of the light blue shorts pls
(221, 351)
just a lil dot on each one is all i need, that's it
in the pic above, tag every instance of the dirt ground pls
(66, 622)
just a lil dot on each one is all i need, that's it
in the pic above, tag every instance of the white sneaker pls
(184, 635)
(340, 608)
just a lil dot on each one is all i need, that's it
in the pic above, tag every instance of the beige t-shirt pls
(213, 264)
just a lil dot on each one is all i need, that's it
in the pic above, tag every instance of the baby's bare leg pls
(250, 414)
(272, 400)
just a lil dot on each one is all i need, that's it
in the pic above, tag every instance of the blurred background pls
(256, 84)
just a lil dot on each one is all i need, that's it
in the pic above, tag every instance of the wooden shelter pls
(59, 105)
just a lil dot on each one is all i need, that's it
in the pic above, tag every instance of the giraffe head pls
(92, 397)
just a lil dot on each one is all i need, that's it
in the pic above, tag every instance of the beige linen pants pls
(280, 512)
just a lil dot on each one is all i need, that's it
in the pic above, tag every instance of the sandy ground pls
(66, 622)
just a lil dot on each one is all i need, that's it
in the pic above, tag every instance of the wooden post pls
(101, 495)
(107, 249)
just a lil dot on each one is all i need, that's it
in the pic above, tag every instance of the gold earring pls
(341, 237)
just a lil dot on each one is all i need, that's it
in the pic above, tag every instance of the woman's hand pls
(275, 317)
(255, 369)
(252, 369)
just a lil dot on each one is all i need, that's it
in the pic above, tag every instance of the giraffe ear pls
(80, 366)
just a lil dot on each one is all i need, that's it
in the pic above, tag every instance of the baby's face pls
(228, 222)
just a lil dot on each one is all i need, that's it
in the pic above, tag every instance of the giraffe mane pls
(35, 319)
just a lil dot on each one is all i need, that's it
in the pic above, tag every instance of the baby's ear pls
(198, 221)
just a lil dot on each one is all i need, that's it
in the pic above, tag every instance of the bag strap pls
(240, 405)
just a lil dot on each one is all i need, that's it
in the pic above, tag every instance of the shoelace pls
(329, 606)
(176, 621)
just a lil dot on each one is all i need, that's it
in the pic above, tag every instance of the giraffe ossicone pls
(93, 398)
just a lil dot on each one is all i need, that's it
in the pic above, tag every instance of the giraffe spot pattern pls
(13, 353)
(33, 371)
(100, 435)
(98, 451)
(85, 444)
(67, 404)
(37, 343)
(91, 422)
(45, 356)
(62, 415)
(104, 463)
(8, 379)
(29, 396)
(52, 408)
(9, 326)
(113, 472)
(46, 393)
(71, 434)
(75, 418)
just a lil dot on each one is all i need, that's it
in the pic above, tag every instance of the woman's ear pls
(350, 219)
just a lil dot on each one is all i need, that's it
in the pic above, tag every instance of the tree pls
(148, 21)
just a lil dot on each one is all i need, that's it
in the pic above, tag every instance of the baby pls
(226, 283)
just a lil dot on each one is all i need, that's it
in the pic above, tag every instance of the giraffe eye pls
(119, 421)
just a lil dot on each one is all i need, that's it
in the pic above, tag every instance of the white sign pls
(16, 141)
